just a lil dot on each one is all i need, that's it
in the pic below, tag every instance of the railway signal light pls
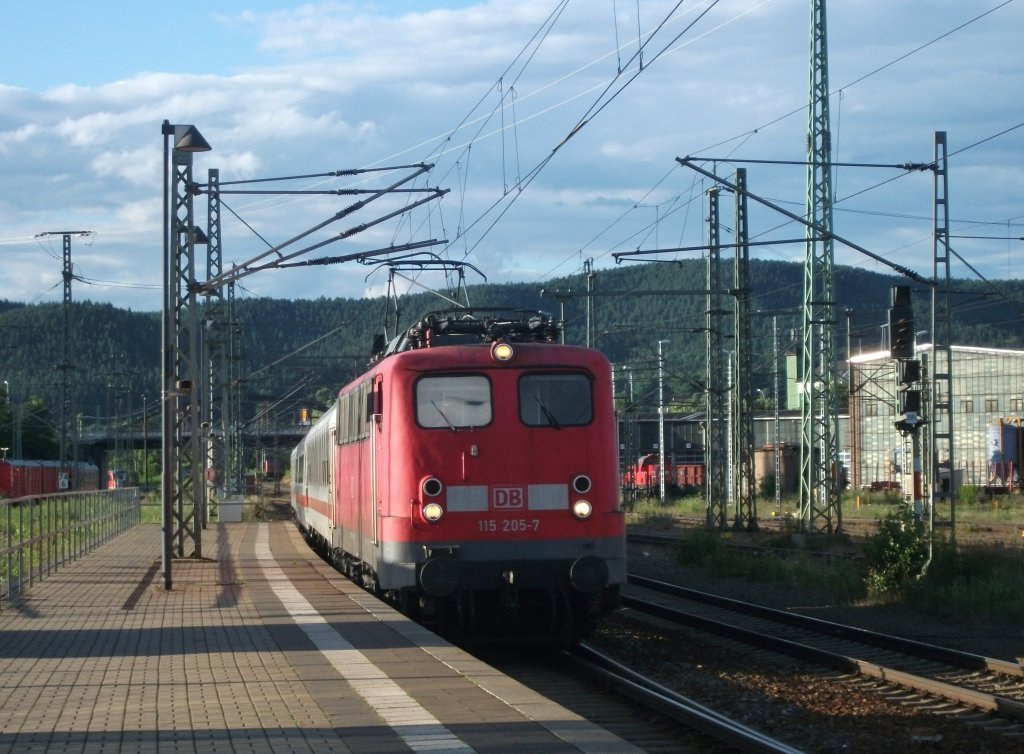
(901, 324)
(910, 401)
(910, 371)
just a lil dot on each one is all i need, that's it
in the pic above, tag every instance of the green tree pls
(6, 420)
(39, 439)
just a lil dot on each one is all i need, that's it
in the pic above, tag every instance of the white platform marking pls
(413, 724)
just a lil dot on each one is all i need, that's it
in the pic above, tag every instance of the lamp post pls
(10, 410)
(13, 408)
(145, 445)
(661, 422)
(186, 139)
(730, 454)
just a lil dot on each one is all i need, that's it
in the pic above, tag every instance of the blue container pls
(1002, 449)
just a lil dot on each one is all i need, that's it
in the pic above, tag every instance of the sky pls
(553, 128)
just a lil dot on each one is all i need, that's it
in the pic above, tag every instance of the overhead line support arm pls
(361, 256)
(247, 268)
(906, 272)
(329, 174)
(618, 255)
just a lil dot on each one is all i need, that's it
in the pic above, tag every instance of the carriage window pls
(453, 402)
(555, 400)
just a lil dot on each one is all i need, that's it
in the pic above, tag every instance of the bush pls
(897, 554)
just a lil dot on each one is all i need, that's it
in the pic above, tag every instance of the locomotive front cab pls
(510, 469)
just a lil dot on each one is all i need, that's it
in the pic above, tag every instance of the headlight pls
(431, 486)
(433, 512)
(502, 352)
(582, 509)
(582, 484)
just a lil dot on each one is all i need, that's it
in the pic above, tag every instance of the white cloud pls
(327, 86)
(10, 140)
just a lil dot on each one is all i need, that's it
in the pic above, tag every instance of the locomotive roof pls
(474, 325)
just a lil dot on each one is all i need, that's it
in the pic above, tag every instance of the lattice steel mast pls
(216, 407)
(185, 396)
(745, 514)
(715, 437)
(819, 489)
(940, 427)
(66, 365)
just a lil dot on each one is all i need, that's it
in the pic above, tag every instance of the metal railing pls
(40, 533)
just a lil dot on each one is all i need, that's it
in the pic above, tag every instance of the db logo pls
(508, 498)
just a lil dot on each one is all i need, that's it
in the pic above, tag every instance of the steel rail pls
(674, 705)
(1006, 707)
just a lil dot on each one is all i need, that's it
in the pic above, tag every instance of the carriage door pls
(330, 455)
(375, 409)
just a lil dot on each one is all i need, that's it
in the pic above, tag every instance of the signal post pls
(908, 371)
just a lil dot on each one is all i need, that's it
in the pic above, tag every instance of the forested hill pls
(298, 352)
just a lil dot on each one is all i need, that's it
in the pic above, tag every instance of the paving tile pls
(99, 657)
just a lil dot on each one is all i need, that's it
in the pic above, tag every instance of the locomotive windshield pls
(453, 402)
(555, 400)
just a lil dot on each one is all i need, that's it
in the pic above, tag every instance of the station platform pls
(259, 646)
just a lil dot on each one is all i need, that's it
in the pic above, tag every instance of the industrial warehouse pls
(876, 450)
(987, 402)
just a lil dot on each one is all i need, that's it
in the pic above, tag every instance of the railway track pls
(973, 688)
(1003, 533)
(655, 696)
(649, 715)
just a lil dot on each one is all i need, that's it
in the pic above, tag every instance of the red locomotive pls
(642, 477)
(469, 478)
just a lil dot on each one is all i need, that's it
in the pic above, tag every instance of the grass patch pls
(976, 582)
(981, 584)
(651, 512)
(699, 548)
(801, 567)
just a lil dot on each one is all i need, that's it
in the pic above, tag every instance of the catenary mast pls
(819, 478)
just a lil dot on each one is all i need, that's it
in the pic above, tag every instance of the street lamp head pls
(186, 138)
